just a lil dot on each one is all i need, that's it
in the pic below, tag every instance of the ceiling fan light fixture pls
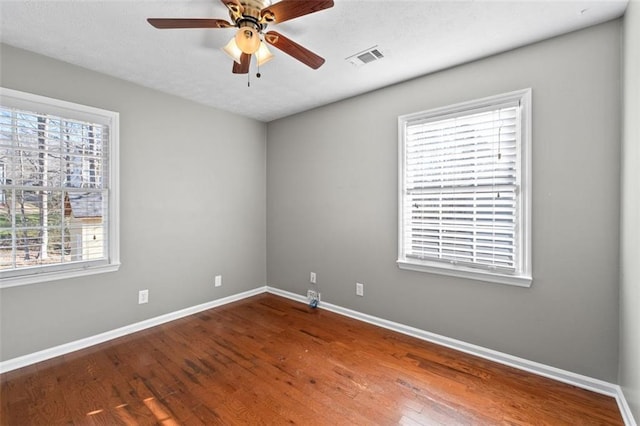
(263, 54)
(232, 50)
(248, 40)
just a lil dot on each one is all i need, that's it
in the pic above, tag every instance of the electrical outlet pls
(218, 281)
(143, 297)
(312, 294)
(359, 289)
(312, 277)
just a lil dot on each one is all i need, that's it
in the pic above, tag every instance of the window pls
(464, 206)
(59, 189)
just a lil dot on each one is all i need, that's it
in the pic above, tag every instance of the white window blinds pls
(460, 201)
(54, 207)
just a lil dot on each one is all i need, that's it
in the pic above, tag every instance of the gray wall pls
(192, 206)
(629, 377)
(332, 206)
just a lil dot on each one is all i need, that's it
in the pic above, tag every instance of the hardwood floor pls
(268, 360)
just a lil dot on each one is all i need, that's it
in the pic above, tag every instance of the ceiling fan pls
(251, 17)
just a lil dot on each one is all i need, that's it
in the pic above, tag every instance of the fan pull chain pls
(258, 75)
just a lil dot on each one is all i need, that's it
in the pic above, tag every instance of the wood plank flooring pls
(269, 360)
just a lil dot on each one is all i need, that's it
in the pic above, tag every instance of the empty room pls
(345, 212)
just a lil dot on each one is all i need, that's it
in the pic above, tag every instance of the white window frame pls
(45, 105)
(522, 275)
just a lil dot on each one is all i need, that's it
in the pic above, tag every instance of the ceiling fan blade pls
(290, 9)
(243, 66)
(169, 23)
(293, 49)
(235, 8)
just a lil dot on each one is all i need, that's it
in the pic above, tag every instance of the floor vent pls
(365, 57)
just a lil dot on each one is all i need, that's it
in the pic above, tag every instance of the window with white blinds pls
(464, 206)
(58, 177)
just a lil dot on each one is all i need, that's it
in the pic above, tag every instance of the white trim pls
(45, 276)
(564, 376)
(25, 100)
(25, 360)
(114, 191)
(625, 410)
(469, 273)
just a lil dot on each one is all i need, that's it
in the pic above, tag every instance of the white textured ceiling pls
(417, 37)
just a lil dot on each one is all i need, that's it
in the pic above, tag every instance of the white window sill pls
(43, 276)
(464, 272)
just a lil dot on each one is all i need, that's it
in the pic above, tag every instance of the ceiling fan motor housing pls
(248, 14)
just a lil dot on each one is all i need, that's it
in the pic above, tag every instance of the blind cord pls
(499, 156)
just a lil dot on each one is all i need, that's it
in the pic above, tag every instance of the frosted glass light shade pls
(263, 54)
(233, 50)
(248, 40)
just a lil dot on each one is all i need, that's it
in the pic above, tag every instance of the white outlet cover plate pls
(312, 294)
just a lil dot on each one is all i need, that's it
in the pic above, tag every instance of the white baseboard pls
(584, 382)
(625, 410)
(23, 361)
(560, 375)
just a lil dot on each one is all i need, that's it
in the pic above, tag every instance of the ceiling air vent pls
(366, 56)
